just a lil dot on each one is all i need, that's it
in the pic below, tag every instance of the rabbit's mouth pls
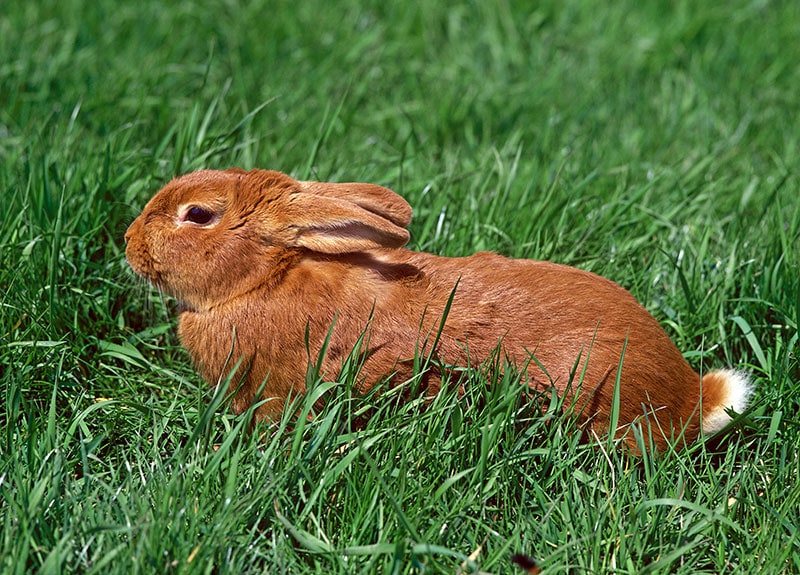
(144, 267)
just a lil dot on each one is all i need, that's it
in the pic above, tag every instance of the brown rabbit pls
(265, 265)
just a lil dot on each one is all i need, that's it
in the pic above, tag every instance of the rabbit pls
(269, 270)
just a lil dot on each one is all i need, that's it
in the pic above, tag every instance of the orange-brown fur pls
(288, 257)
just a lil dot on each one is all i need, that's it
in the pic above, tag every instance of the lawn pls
(654, 143)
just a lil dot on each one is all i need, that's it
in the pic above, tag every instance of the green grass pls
(654, 143)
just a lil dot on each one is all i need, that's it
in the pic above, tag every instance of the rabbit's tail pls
(723, 389)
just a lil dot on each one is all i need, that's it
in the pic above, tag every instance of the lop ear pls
(334, 226)
(380, 201)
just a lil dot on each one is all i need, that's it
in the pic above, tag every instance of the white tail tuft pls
(734, 393)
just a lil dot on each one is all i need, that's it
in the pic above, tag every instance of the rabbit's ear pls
(373, 198)
(334, 226)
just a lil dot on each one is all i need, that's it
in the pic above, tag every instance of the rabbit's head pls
(210, 236)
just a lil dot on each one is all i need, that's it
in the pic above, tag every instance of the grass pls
(653, 143)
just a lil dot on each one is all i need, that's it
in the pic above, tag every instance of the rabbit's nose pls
(134, 229)
(129, 232)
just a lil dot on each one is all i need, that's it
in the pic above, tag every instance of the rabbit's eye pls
(198, 215)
